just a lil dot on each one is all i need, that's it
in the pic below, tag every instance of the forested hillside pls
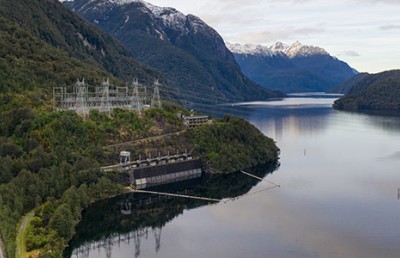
(43, 45)
(42, 152)
(50, 159)
(376, 92)
(216, 144)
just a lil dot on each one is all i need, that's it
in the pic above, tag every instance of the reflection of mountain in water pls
(300, 113)
(295, 120)
(133, 217)
(385, 121)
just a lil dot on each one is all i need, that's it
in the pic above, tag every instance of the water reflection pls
(296, 121)
(339, 197)
(135, 218)
(385, 122)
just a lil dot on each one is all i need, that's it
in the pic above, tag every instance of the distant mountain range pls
(294, 68)
(374, 92)
(191, 54)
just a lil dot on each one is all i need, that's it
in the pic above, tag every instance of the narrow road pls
(151, 138)
(21, 234)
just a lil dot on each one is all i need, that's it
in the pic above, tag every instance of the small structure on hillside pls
(124, 157)
(195, 121)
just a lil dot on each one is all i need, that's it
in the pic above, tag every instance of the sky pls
(363, 33)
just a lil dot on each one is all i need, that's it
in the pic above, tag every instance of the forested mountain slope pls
(50, 159)
(44, 44)
(191, 54)
(376, 92)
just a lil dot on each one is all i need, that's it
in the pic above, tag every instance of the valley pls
(238, 149)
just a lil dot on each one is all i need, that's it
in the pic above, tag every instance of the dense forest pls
(376, 92)
(233, 144)
(43, 42)
(50, 159)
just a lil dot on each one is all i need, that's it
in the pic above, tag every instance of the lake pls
(339, 178)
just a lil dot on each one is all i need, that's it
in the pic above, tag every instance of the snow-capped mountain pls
(299, 50)
(295, 50)
(279, 47)
(191, 54)
(291, 68)
(168, 16)
(250, 49)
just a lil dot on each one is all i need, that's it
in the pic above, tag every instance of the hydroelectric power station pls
(144, 173)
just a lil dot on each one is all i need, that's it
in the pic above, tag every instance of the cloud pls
(390, 27)
(380, 1)
(349, 53)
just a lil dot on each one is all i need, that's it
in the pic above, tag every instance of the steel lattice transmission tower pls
(81, 93)
(105, 105)
(105, 97)
(135, 103)
(155, 100)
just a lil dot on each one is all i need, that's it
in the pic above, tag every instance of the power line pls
(106, 97)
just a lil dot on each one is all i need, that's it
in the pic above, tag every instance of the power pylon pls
(155, 100)
(105, 105)
(81, 93)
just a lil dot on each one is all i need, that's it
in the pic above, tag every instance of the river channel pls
(339, 196)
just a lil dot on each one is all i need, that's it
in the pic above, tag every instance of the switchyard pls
(106, 97)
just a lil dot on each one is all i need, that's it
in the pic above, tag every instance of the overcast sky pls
(364, 33)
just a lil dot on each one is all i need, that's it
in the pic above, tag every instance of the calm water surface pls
(339, 194)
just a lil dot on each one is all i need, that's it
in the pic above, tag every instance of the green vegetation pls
(42, 45)
(376, 92)
(21, 234)
(54, 223)
(50, 160)
(46, 157)
(233, 144)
